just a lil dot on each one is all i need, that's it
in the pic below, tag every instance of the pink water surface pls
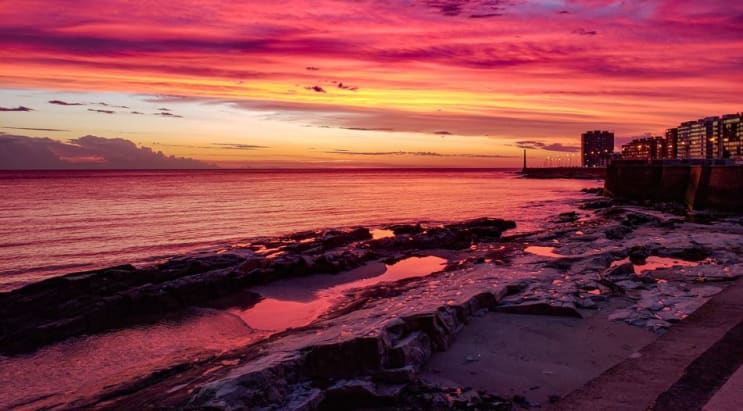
(56, 222)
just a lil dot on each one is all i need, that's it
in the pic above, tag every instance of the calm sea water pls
(60, 221)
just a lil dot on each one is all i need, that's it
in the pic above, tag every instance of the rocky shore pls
(394, 345)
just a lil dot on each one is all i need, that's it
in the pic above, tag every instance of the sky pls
(354, 83)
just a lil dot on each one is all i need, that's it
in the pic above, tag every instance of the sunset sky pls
(330, 83)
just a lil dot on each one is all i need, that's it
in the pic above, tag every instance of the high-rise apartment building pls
(596, 147)
(708, 138)
(731, 135)
(649, 148)
(672, 140)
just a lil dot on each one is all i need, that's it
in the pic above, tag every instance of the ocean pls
(57, 222)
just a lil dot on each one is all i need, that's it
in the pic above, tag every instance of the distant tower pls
(596, 147)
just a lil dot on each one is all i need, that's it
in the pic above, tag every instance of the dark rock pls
(613, 211)
(335, 238)
(586, 303)
(635, 220)
(562, 264)
(515, 288)
(693, 253)
(617, 233)
(620, 272)
(484, 228)
(413, 350)
(568, 217)
(195, 265)
(594, 190)
(596, 204)
(638, 254)
(399, 229)
(441, 238)
(346, 359)
(561, 309)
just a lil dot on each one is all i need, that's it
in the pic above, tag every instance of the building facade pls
(649, 148)
(596, 148)
(731, 135)
(707, 138)
(672, 140)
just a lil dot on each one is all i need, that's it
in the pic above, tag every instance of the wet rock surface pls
(370, 348)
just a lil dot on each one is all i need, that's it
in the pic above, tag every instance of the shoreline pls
(478, 284)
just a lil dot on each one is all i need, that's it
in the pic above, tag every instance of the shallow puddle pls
(542, 251)
(297, 302)
(381, 233)
(655, 263)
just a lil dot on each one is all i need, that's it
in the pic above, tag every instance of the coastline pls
(581, 266)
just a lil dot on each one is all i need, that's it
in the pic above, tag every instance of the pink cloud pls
(604, 62)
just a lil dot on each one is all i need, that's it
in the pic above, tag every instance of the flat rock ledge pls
(377, 367)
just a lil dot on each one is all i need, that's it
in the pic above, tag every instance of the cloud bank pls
(87, 152)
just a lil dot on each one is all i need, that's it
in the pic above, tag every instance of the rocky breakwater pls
(101, 300)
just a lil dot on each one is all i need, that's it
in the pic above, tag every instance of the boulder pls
(568, 217)
(336, 238)
(638, 254)
(399, 229)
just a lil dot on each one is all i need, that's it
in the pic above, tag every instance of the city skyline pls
(362, 84)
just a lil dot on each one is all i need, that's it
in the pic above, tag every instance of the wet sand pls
(535, 356)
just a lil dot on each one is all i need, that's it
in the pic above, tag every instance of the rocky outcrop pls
(451, 236)
(100, 300)
(374, 368)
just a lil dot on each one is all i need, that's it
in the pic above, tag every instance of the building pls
(596, 148)
(649, 148)
(672, 140)
(684, 129)
(731, 134)
(707, 138)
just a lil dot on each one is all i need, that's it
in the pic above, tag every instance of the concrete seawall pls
(699, 186)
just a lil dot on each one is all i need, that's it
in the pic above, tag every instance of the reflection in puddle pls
(655, 263)
(297, 302)
(381, 233)
(543, 251)
(83, 366)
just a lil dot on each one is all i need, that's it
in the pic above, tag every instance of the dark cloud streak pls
(239, 146)
(413, 153)
(95, 110)
(64, 103)
(19, 108)
(35, 129)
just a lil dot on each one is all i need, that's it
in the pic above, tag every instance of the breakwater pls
(699, 185)
(564, 172)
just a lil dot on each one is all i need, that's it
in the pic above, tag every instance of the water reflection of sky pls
(297, 302)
